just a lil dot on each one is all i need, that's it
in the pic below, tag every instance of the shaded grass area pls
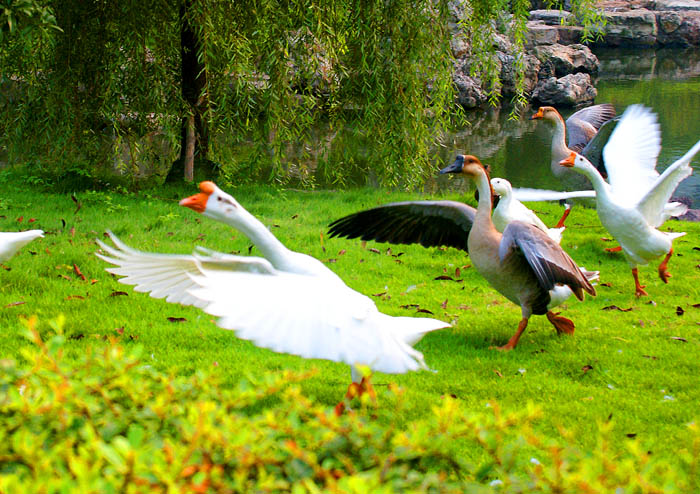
(638, 366)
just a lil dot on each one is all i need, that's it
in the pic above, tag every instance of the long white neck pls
(272, 249)
(602, 188)
(559, 147)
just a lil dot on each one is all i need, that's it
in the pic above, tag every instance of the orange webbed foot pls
(560, 323)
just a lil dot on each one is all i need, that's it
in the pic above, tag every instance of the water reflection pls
(666, 80)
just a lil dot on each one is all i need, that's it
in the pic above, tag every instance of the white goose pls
(11, 242)
(510, 209)
(635, 201)
(287, 301)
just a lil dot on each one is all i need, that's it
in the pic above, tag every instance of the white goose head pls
(214, 203)
(501, 187)
(578, 162)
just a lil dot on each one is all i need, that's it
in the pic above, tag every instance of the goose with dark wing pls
(522, 263)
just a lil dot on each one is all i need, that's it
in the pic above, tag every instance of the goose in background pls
(634, 201)
(285, 301)
(575, 134)
(523, 263)
(510, 209)
(11, 242)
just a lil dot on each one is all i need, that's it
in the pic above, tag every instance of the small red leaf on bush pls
(120, 330)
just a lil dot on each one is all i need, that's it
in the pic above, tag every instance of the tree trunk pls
(189, 150)
(195, 139)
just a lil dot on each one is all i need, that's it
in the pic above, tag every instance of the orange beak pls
(198, 202)
(537, 115)
(568, 162)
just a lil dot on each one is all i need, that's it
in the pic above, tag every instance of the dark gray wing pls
(428, 223)
(594, 149)
(548, 261)
(583, 125)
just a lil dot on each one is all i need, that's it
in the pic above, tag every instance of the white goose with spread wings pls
(634, 201)
(287, 301)
(523, 263)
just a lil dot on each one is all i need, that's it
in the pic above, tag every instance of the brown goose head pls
(471, 166)
(547, 113)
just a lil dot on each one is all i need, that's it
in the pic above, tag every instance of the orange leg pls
(514, 339)
(638, 289)
(560, 323)
(356, 390)
(560, 223)
(663, 272)
(613, 249)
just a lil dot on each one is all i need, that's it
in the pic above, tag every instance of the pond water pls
(668, 81)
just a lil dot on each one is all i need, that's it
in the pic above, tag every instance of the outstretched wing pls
(551, 265)
(631, 153)
(583, 125)
(528, 195)
(593, 151)
(654, 203)
(429, 223)
(169, 276)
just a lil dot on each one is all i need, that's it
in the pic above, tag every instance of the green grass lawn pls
(633, 361)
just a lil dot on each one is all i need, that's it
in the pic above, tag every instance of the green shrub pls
(108, 422)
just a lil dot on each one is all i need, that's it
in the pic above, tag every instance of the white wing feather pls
(311, 317)
(530, 195)
(168, 275)
(654, 205)
(631, 153)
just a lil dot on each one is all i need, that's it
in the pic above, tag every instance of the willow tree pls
(245, 83)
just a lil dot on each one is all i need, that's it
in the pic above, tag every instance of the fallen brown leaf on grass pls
(444, 304)
(341, 252)
(678, 338)
(615, 307)
(78, 272)
(587, 368)
(117, 294)
(20, 302)
(78, 204)
(72, 231)
(652, 357)
(679, 311)
(75, 297)
(425, 311)
(19, 220)
(606, 284)
(375, 251)
(177, 319)
(498, 373)
(409, 306)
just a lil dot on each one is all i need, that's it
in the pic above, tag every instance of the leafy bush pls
(109, 422)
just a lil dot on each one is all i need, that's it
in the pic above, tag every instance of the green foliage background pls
(104, 82)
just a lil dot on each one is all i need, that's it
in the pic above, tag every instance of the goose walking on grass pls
(509, 209)
(634, 201)
(285, 301)
(523, 263)
(11, 242)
